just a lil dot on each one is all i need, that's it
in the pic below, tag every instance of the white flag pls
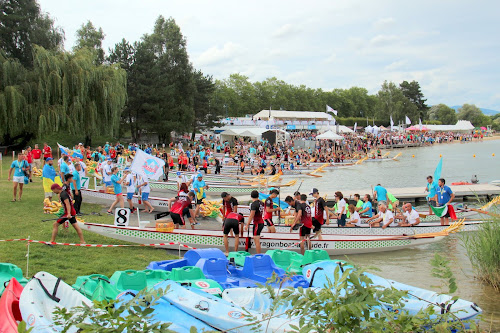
(147, 166)
(392, 124)
(355, 125)
(408, 121)
(420, 124)
(330, 109)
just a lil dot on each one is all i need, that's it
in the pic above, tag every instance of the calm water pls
(412, 266)
(458, 165)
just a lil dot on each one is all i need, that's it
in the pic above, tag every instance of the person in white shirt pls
(410, 216)
(83, 170)
(355, 219)
(341, 209)
(106, 172)
(143, 184)
(130, 184)
(384, 216)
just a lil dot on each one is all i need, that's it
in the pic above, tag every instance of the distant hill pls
(487, 112)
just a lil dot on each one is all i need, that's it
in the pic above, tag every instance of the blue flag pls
(437, 172)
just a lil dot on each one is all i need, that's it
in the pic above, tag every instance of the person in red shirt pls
(29, 158)
(37, 156)
(232, 223)
(176, 210)
(269, 210)
(256, 212)
(69, 214)
(318, 218)
(112, 153)
(230, 204)
(305, 217)
(47, 151)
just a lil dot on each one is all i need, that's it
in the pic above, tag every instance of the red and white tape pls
(96, 245)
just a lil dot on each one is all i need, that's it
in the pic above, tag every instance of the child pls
(146, 189)
(130, 183)
(117, 187)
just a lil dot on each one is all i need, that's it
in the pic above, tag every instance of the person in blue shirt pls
(148, 150)
(50, 173)
(117, 187)
(76, 186)
(199, 187)
(106, 148)
(64, 168)
(380, 193)
(432, 188)
(444, 196)
(367, 208)
(21, 169)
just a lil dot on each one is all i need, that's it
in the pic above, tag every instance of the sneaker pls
(109, 213)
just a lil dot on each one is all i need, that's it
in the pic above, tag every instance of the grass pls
(23, 219)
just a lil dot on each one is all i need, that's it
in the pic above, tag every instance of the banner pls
(392, 124)
(330, 109)
(355, 126)
(70, 152)
(148, 166)
(419, 124)
(408, 121)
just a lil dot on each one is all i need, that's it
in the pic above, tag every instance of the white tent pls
(344, 129)
(368, 128)
(329, 135)
(252, 132)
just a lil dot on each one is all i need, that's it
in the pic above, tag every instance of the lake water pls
(412, 266)
(458, 165)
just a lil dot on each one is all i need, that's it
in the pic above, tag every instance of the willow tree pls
(63, 92)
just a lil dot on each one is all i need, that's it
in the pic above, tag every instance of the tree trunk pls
(87, 141)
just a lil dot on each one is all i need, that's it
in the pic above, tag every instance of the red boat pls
(10, 315)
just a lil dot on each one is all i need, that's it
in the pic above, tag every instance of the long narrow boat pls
(333, 244)
(212, 188)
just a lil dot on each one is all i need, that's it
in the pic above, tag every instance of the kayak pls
(9, 271)
(40, 298)
(10, 314)
(137, 280)
(96, 287)
(293, 262)
(165, 312)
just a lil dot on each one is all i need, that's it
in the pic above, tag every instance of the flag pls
(408, 121)
(392, 124)
(355, 125)
(147, 166)
(441, 211)
(420, 124)
(437, 171)
(70, 152)
(330, 109)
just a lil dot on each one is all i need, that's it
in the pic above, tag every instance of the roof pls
(252, 132)
(301, 115)
(329, 135)
(461, 125)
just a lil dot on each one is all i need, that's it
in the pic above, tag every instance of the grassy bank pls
(23, 219)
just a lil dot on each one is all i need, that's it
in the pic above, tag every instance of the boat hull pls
(333, 244)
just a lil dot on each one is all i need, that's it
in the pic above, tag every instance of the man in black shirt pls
(69, 213)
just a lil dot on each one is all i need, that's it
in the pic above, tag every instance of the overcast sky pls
(449, 47)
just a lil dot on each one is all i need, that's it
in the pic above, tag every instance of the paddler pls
(177, 210)
(269, 209)
(229, 204)
(383, 216)
(304, 217)
(359, 202)
(256, 210)
(69, 214)
(367, 209)
(410, 216)
(232, 224)
(318, 218)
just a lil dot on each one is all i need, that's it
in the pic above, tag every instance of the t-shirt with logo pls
(129, 182)
(65, 196)
(36, 153)
(234, 216)
(180, 204)
(268, 204)
(47, 152)
(258, 207)
(306, 217)
(319, 209)
(18, 168)
(230, 204)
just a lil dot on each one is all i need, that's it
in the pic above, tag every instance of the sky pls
(450, 47)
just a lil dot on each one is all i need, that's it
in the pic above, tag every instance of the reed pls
(483, 250)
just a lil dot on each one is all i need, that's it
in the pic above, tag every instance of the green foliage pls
(483, 250)
(474, 115)
(23, 26)
(91, 38)
(441, 269)
(392, 102)
(206, 111)
(443, 114)
(412, 91)
(135, 315)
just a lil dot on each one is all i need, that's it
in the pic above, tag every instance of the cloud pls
(384, 23)
(332, 58)
(286, 30)
(216, 55)
(383, 40)
(396, 65)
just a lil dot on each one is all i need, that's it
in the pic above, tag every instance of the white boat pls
(333, 244)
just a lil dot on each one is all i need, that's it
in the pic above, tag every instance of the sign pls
(85, 182)
(122, 216)
(290, 127)
(270, 126)
(311, 127)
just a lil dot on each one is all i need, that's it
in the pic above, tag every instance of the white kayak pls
(41, 296)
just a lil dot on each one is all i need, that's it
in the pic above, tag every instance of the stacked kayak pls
(41, 296)
(293, 262)
(96, 287)
(9, 271)
(10, 313)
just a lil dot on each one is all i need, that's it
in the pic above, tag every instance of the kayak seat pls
(168, 265)
(129, 279)
(217, 269)
(186, 273)
(153, 276)
(239, 257)
(87, 284)
(311, 256)
(260, 267)
(286, 259)
(9, 271)
(192, 256)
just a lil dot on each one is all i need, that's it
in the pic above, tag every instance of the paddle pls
(483, 212)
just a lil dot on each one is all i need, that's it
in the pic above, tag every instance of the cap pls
(199, 176)
(314, 190)
(49, 159)
(56, 187)
(109, 159)
(127, 169)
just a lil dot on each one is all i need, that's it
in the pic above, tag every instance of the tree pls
(22, 26)
(443, 113)
(392, 102)
(90, 37)
(412, 91)
(474, 115)
(206, 111)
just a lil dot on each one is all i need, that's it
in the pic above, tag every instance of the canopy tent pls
(292, 115)
(344, 129)
(422, 128)
(329, 135)
(460, 126)
(251, 132)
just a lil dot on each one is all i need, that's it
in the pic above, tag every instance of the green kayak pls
(9, 271)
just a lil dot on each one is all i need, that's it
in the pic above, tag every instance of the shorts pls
(257, 229)
(118, 195)
(304, 231)
(231, 224)
(432, 203)
(130, 196)
(145, 196)
(269, 222)
(185, 212)
(199, 201)
(242, 169)
(446, 215)
(177, 219)
(50, 194)
(316, 224)
(18, 179)
(71, 220)
(342, 220)
(108, 183)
